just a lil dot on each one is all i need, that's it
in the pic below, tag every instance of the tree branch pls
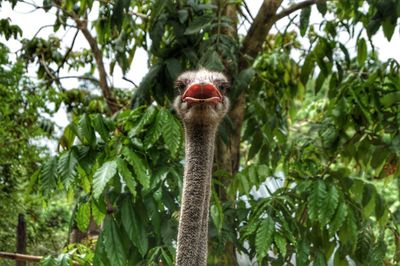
(79, 77)
(18, 256)
(296, 7)
(98, 56)
(255, 38)
(265, 19)
(130, 81)
(24, 257)
(68, 52)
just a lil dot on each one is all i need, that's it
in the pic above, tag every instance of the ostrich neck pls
(193, 223)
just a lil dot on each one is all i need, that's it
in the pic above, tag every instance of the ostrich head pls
(201, 97)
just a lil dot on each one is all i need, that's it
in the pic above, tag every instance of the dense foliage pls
(22, 132)
(316, 127)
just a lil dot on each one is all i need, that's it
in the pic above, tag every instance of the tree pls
(23, 129)
(323, 125)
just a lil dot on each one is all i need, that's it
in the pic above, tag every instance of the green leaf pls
(340, 260)
(183, 15)
(147, 118)
(280, 243)
(263, 171)
(249, 229)
(100, 256)
(361, 51)
(48, 175)
(348, 232)
(380, 207)
(118, 12)
(198, 24)
(68, 137)
(82, 216)
(134, 227)
(156, 130)
(167, 258)
(174, 67)
(217, 214)
(100, 126)
(48, 261)
(319, 81)
(102, 176)
(322, 7)
(127, 176)
(319, 259)
(307, 68)
(85, 183)
(373, 26)
(388, 28)
(390, 99)
(345, 52)
(242, 80)
(212, 60)
(338, 219)
(112, 240)
(256, 144)
(244, 186)
(67, 167)
(85, 130)
(316, 199)
(138, 166)
(97, 214)
(172, 133)
(302, 252)
(264, 238)
(63, 260)
(333, 86)
(304, 20)
(329, 205)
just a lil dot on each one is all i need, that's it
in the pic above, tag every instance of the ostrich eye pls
(222, 85)
(181, 85)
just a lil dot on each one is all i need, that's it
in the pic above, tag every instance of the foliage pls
(22, 130)
(127, 175)
(319, 142)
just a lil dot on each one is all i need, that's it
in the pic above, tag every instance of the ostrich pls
(201, 105)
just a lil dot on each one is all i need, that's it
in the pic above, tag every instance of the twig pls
(79, 77)
(139, 15)
(130, 81)
(246, 7)
(68, 52)
(48, 71)
(296, 7)
(40, 29)
(286, 29)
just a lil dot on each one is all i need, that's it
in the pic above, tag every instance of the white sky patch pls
(31, 20)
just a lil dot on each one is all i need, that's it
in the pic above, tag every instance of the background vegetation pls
(306, 162)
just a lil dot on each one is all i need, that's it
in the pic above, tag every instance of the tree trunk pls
(76, 236)
(21, 238)
(227, 155)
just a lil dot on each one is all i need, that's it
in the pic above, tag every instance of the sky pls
(31, 20)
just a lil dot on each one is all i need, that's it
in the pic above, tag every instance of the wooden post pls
(21, 238)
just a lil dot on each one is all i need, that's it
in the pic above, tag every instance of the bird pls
(201, 105)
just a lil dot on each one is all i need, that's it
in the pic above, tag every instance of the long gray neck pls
(193, 222)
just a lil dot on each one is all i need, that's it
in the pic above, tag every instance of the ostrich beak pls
(202, 93)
